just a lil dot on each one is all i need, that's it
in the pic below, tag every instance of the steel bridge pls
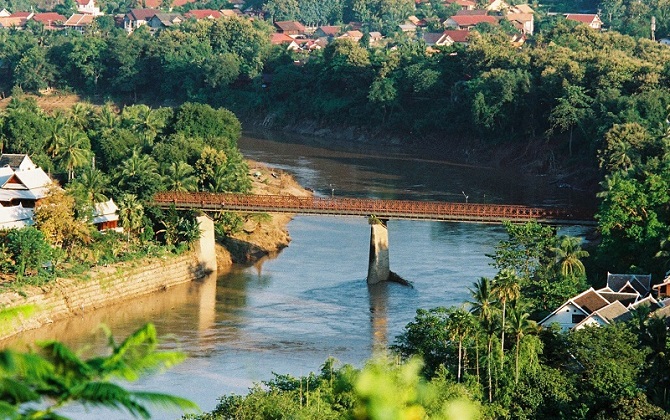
(382, 209)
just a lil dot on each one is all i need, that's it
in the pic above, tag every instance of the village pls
(298, 36)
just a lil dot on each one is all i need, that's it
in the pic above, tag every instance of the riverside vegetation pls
(586, 100)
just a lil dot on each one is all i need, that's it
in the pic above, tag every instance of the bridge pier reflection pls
(378, 294)
(378, 265)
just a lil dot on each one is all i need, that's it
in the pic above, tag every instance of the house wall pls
(64, 298)
(564, 317)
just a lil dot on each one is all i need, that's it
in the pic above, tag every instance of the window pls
(577, 318)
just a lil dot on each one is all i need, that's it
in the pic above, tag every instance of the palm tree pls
(131, 213)
(180, 176)
(79, 114)
(520, 325)
(75, 151)
(55, 135)
(460, 324)
(40, 384)
(107, 118)
(94, 183)
(505, 288)
(568, 256)
(145, 121)
(483, 306)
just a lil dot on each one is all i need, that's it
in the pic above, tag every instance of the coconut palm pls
(75, 151)
(79, 114)
(144, 120)
(94, 183)
(505, 288)
(568, 256)
(56, 129)
(520, 325)
(459, 325)
(139, 175)
(107, 117)
(483, 307)
(180, 176)
(131, 213)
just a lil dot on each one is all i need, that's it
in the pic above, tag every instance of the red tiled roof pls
(277, 39)
(23, 15)
(83, 2)
(179, 3)
(458, 35)
(203, 14)
(330, 30)
(584, 18)
(49, 18)
(78, 19)
(141, 14)
(462, 3)
(462, 20)
(9, 22)
(290, 25)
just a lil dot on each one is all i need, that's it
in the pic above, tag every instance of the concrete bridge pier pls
(378, 267)
(205, 245)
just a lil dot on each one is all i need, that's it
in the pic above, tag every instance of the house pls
(468, 22)
(88, 7)
(25, 187)
(137, 17)
(407, 27)
(327, 31)
(16, 162)
(79, 22)
(524, 22)
(290, 27)
(521, 8)
(16, 217)
(612, 303)
(283, 39)
(354, 35)
(12, 22)
(165, 20)
(105, 216)
(465, 4)
(497, 5)
(474, 12)
(202, 14)
(22, 15)
(375, 37)
(50, 20)
(228, 13)
(458, 36)
(416, 21)
(593, 21)
(5, 13)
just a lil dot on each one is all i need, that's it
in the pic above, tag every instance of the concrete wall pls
(66, 297)
(378, 266)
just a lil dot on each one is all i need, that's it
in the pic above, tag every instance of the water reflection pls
(379, 315)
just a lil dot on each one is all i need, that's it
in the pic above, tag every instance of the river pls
(289, 313)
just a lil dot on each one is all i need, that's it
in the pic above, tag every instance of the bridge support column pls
(205, 245)
(378, 266)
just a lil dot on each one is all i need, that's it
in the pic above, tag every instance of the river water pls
(289, 313)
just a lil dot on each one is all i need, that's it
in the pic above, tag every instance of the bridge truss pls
(382, 209)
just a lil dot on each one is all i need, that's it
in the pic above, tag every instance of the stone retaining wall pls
(66, 297)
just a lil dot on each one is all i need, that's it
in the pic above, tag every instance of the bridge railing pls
(363, 206)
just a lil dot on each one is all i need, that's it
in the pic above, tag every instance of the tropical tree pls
(506, 289)
(483, 306)
(139, 175)
(520, 324)
(180, 176)
(36, 385)
(75, 151)
(568, 256)
(131, 214)
(571, 110)
(459, 325)
(94, 183)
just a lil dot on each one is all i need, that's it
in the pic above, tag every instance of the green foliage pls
(28, 249)
(36, 385)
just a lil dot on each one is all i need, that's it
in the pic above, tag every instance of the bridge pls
(379, 212)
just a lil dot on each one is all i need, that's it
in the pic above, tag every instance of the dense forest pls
(127, 155)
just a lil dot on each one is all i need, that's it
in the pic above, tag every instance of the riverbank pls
(35, 307)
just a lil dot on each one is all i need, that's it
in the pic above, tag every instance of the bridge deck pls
(383, 209)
